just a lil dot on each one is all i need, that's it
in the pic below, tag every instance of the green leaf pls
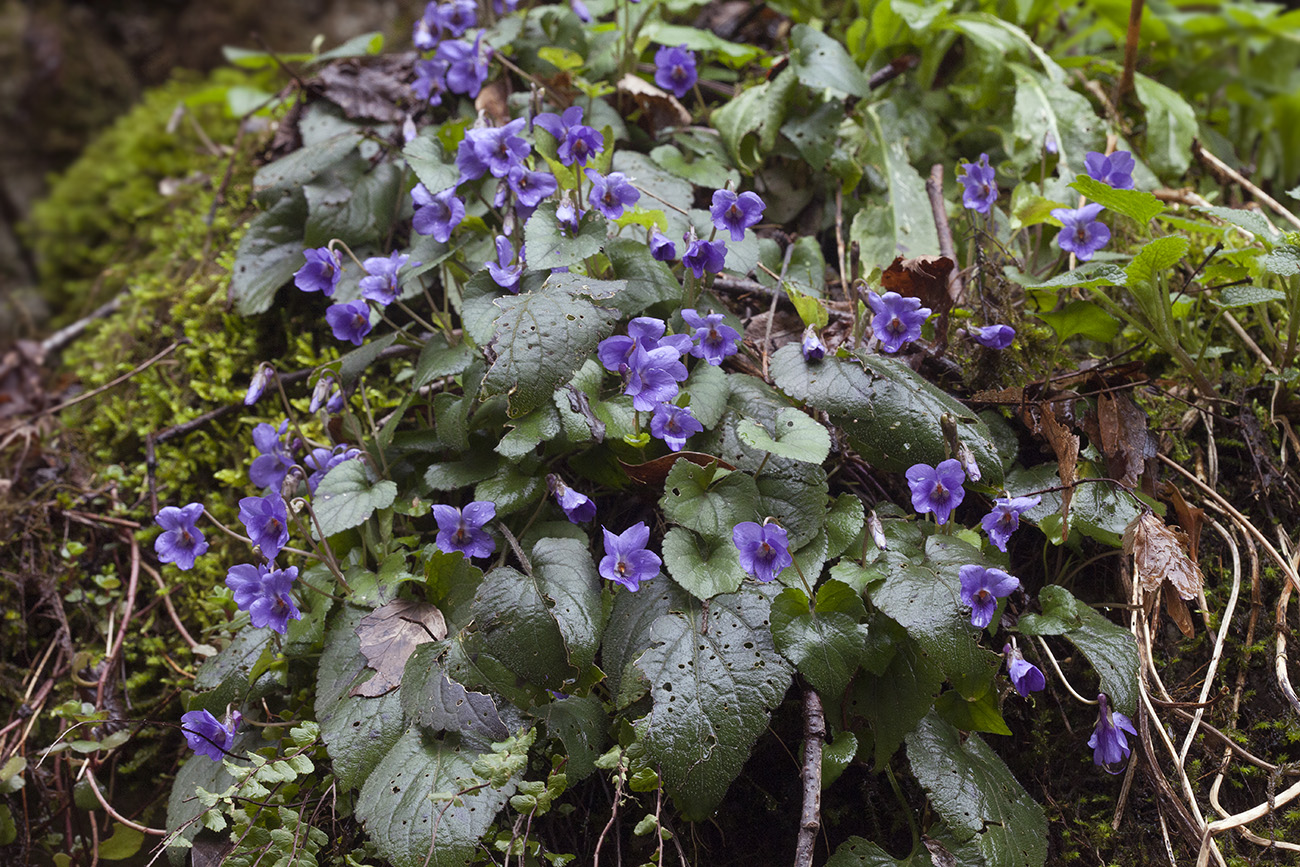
(713, 690)
(798, 437)
(353, 201)
(1138, 204)
(795, 495)
(1171, 126)
(124, 843)
(550, 246)
(296, 170)
(8, 828)
(975, 793)
(357, 731)
(909, 229)
(708, 389)
(515, 624)
(1082, 319)
(1284, 261)
(659, 189)
(511, 489)
(859, 852)
(400, 816)
(1086, 276)
(225, 678)
(358, 46)
(824, 644)
(972, 714)
(734, 54)
(541, 340)
(567, 576)
(561, 58)
(890, 414)
(1154, 257)
(1044, 107)
(268, 255)
(452, 475)
(704, 567)
(844, 522)
(627, 634)
(425, 156)
(837, 756)
(894, 701)
(1246, 296)
(1255, 223)
(183, 808)
(820, 62)
(709, 500)
(580, 722)
(1098, 510)
(751, 116)
(703, 170)
(539, 426)
(346, 497)
(432, 700)
(647, 282)
(439, 359)
(1110, 649)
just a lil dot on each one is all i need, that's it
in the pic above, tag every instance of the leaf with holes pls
(709, 500)
(703, 567)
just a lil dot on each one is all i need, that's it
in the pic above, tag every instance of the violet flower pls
(734, 214)
(529, 187)
(644, 331)
(427, 30)
(704, 256)
(980, 189)
(321, 272)
(467, 65)
(611, 193)
(380, 283)
(1025, 676)
(1081, 233)
(897, 321)
(674, 425)
(267, 521)
(992, 336)
(264, 594)
(503, 148)
(763, 549)
(1109, 746)
(463, 530)
(181, 541)
(258, 382)
(937, 489)
(322, 460)
(430, 80)
(505, 274)
(206, 735)
(981, 588)
(577, 506)
(273, 464)
(1005, 518)
(675, 70)
(652, 376)
(811, 346)
(577, 142)
(626, 559)
(471, 164)
(1115, 170)
(350, 321)
(714, 340)
(457, 16)
(436, 215)
(662, 248)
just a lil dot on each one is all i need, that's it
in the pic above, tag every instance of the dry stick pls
(1279, 656)
(771, 310)
(1234, 747)
(1211, 160)
(171, 609)
(618, 791)
(814, 732)
(64, 336)
(934, 188)
(110, 661)
(106, 386)
(99, 796)
(1130, 50)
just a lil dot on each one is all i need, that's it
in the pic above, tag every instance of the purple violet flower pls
(457, 16)
(1115, 170)
(734, 214)
(993, 336)
(981, 588)
(1081, 233)
(350, 321)
(463, 530)
(206, 735)
(611, 193)
(937, 489)
(567, 215)
(674, 425)
(577, 143)
(1005, 518)
(530, 188)
(502, 148)
(473, 166)
(1025, 676)
(504, 274)
(1109, 746)
(897, 321)
(580, 9)
(322, 460)
(644, 331)
(812, 347)
(577, 506)
(258, 382)
(381, 285)
(704, 256)
(714, 340)
(264, 594)
(181, 541)
(626, 559)
(430, 80)
(427, 31)
(764, 549)
(662, 249)
(273, 464)
(653, 376)
(467, 65)
(267, 521)
(981, 189)
(436, 215)
(675, 70)
(321, 273)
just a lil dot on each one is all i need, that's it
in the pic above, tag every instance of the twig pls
(133, 584)
(814, 732)
(934, 188)
(1130, 50)
(1211, 160)
(171, 609)
(618, 791)
(106, 386)
(99, 796)
(1279, 655)
(1052, 659)
(64, 336)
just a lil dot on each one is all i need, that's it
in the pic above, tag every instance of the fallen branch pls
(814, 732)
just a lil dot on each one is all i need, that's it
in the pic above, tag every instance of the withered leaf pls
(1122, 429)
(1158, 556)
(1190, 519)
(1066, 446)
(1176, 608)
(388, 636)
(660, 108)
(654, 472)
(375, 90)
(925, 277)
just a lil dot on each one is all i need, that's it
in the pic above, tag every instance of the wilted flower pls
(206, 735)
(811, 346)
(993, 336)
(662, 248)
(577, 506)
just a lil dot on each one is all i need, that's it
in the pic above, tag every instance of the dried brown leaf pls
(1176, 608)
(660, 109)
(1122, 430)
(654, 472)
(1159, 556)
(389, 635)
(375, 90)
(925, 277)
(1190, 519)
(1066, 446)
